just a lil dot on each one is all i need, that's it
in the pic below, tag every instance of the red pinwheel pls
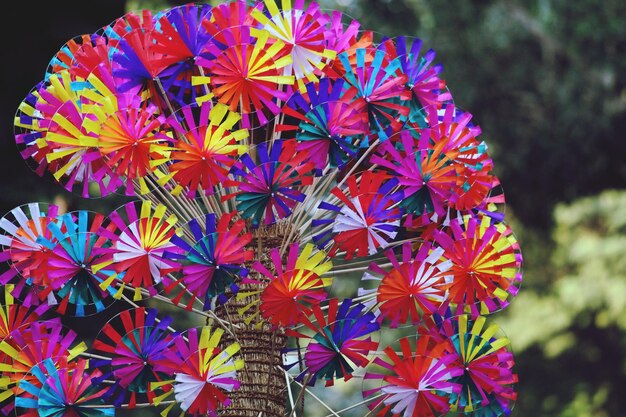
(364, 216)
(247, 78)
(293, 289)
(130, 135)
(413, 382)
(28, 260)
(205, 149)
(415, 286)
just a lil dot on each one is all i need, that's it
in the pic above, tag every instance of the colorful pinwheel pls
(204, 372)
(269, 189)
(74, 279)
(341, 342)
(486, 264)
(415, 286)
(205, 149)
(414, 382)
(293, 289)
(329, 124)
(364, 216)
(137, 343)
(63, 390)
(142, 235)
(212, 261)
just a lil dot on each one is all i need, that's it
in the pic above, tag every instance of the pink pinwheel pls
(212, 261)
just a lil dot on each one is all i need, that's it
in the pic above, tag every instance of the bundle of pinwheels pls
(274, 159)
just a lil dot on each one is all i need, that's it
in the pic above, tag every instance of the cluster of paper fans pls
(275, 150)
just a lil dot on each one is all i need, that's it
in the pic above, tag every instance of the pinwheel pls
(364, 218)
(482, 353)
(246, 77)
(486, 264)
(293, 289)
(204, 372)
(271, 155)
(269, 189)
(415, 286)
(206, 148)
(73, 279)
(63, 390)
(422, 77)
(27, 259)
(341, 342)
(137, 343)
(302, 31)
(426, 177)
(330, 124)
(27, 348)
(414, 382)
(137, 254)
(212, 260)
(181, 39)
(380, 86)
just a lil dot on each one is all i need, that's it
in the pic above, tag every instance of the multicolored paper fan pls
(212, 256)
(485, 264)
(141, 234)
(204, 373)
(205, 148)
(293, 289)
(272, 158)
(483, 355)
(364, 216)
(341, 341)
(415, 285)
(74, 271)
(137, 344)
(415, 381)
(63, 390)
(272, 184)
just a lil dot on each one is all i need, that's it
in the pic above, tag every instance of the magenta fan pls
(301, 211)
